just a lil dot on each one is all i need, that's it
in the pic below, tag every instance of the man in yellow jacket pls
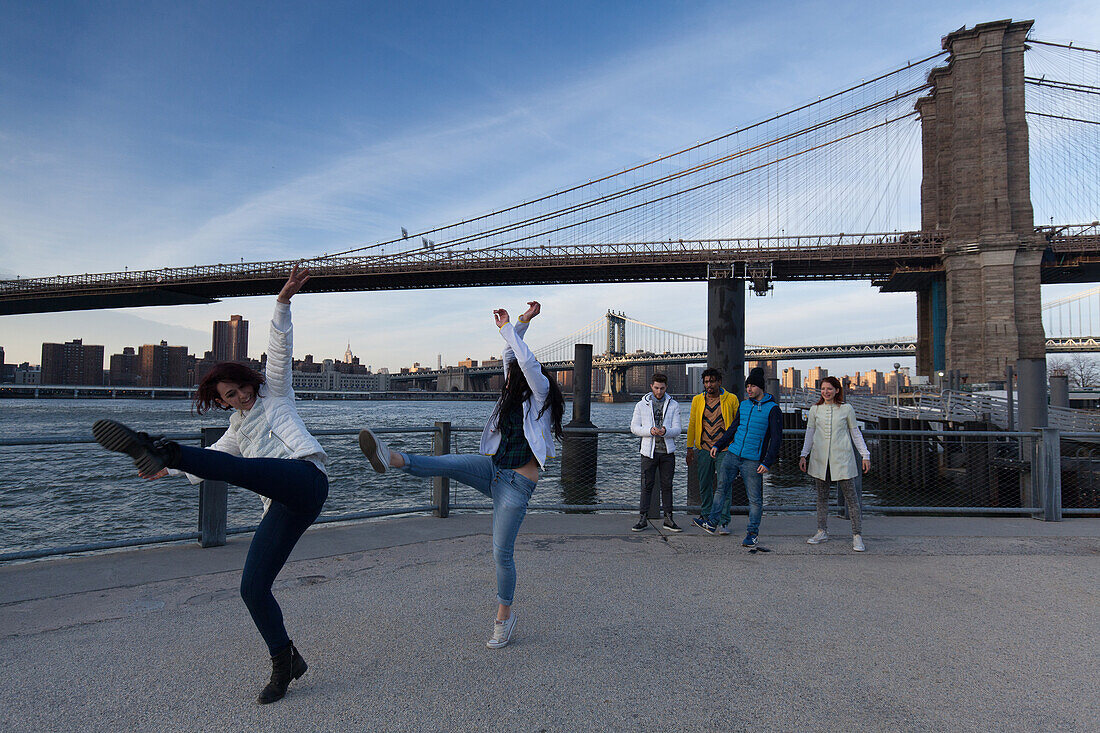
(712, 412)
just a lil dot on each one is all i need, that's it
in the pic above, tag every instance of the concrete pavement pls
(943, 624)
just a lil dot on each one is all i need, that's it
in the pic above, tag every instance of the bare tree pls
(1083, 370)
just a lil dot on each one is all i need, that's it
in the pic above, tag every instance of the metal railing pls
(913, 472)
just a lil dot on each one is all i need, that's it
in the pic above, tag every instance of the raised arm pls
(533, 309)
(280, 342)
(532, 370)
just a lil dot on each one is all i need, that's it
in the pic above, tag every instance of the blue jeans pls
(732, 466)
(509, 491)
(297, 490)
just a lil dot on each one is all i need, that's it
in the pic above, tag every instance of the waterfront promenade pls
(943, 624)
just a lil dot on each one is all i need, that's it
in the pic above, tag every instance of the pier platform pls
(943, 624)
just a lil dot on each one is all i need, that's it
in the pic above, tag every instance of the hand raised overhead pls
(501, 317)
(533, 310)
(294, 283)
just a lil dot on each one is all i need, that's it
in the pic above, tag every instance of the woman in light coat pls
(266, 449)
(516, 443)
(830, 431)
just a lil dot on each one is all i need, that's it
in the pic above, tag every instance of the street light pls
(897, 390)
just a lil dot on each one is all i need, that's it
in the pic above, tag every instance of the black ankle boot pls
(287, 665)
(150, 454)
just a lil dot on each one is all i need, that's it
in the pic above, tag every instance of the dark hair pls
(207, 395)
(712, 372)
(515, 391)
(839, 399)
(658, 377)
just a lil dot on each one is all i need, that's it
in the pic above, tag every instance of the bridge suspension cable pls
(1075, 316)
(766, 178)
(1062, 105)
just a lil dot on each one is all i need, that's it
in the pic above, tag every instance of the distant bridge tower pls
(982, 313)
(615, 376)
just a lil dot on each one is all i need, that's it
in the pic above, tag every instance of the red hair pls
(207, 395)
(839, 399)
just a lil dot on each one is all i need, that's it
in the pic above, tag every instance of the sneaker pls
(502, 633)
(643, 522)
(708, 527)
(857, 543)
(818, 538)
(750, 540)
(723, 529)
(150, 454)
(699, 522)
(375, 450)
(670, 525)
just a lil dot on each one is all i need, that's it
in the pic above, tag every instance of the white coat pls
(642, 422)
(830, 431)
(536, 427)
(272, 428)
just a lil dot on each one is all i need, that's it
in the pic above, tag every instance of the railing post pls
(1050, 475)
(213, 499)
(441, 485)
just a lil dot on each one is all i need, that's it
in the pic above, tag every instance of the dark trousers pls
(664, 464)
(297, 490)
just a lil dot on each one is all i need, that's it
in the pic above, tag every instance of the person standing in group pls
(831, 430)
(267, 450)
(711, 411)
(656, 421)
(753, 442)
(516, 443)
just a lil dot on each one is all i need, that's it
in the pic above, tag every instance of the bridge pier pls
(726, 330)
(976, 188)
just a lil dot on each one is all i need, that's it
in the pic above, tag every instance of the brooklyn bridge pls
(923, 179)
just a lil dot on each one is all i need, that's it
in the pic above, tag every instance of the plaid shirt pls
(514, 450)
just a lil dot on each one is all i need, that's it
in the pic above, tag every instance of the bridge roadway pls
(893, 260)
(951, 624)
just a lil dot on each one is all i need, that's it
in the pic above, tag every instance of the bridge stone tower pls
(983, 312)
(615, 376)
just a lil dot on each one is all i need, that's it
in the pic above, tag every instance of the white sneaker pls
(502, 633)
(375, 450)
(857, 543)
(724, 529)
(818, 538)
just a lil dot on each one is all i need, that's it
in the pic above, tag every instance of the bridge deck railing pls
(65, 495)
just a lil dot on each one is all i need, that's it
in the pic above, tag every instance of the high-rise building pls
(792, 378)
(125, 369)
(230, 341)
(814, 377)
(163, 365)
(72, 363)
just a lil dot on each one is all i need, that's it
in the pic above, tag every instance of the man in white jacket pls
(657, 422)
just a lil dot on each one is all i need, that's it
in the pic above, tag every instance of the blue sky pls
(160, 134)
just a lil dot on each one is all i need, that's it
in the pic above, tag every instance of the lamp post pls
(897, 390)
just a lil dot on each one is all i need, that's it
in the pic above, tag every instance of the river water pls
(57, 495)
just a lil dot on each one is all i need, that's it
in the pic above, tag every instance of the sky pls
(153, 134)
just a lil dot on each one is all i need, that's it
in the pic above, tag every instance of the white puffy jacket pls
(642, 422)
(537, 429)
(272, 429)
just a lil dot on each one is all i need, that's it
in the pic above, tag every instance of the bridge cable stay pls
(906, 71)
(1073, 316)
(839, 117)
(1062, 105)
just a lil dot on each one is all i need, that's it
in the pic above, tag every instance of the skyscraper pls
(230, 341)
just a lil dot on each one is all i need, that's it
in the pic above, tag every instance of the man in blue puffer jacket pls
(753, 442)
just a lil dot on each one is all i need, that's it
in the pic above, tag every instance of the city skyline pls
(266, 136)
